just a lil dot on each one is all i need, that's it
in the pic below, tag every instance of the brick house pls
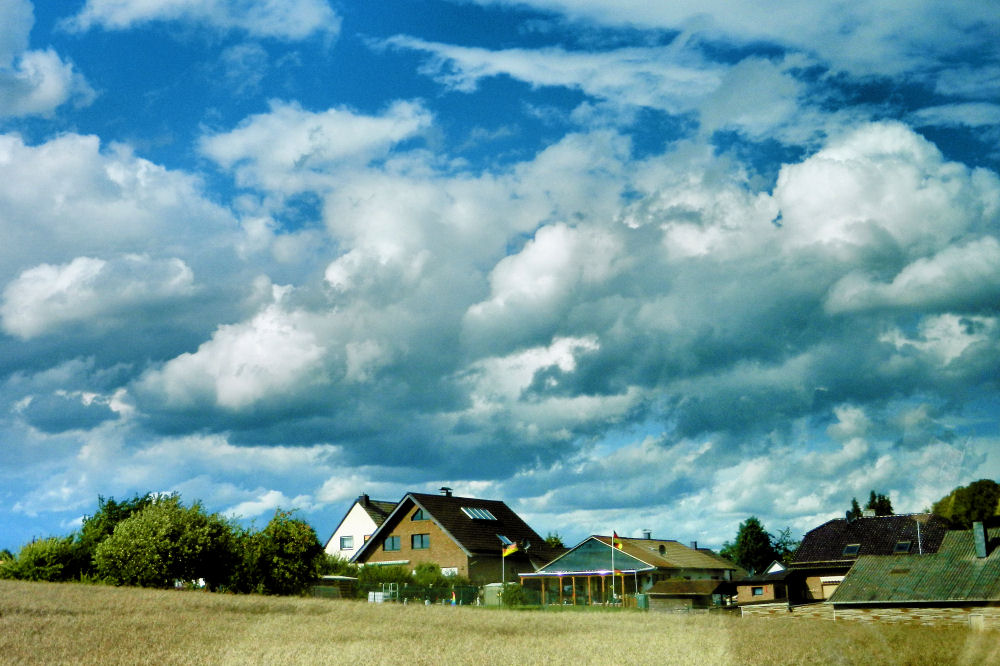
(357, 526)
(768, 587)
(828, 552)
(958, 584)
(462, 535)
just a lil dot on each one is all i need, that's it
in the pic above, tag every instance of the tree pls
(285, 556)
(880, 504)
(784, 545)
(553, 540)
(167, 542)
(752, 549)
(855, 510)
(101, 525)
(979, 501)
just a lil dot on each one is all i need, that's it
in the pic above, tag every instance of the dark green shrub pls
(166, 542)
(283, 558)
(50, 559)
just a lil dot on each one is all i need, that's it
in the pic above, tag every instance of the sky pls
(623, 265)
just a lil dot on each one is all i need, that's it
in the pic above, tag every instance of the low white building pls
(360, 522)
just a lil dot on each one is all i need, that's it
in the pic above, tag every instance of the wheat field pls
(44, 623)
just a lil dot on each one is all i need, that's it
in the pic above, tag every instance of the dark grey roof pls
(876, 535)
(953, 574)
(474, 536)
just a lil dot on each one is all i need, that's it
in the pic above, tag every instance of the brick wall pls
(963, 616)
(771, 592)
(822, 611)
(978, 617)
(443, 551)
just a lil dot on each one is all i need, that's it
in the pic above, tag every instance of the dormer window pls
(902, 547)
(852, 549)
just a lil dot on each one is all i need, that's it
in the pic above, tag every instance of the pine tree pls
(752, 549)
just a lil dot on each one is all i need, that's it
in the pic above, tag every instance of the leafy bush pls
(513, 595)
(50, 559)
(283, 558)
(334, 565)
(373, 576)
(166, 542)
(101, 525)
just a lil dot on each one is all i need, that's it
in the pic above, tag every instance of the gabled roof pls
(775, 572)
(377, 510)
(876, 535)
(593, 554)
(953, 574)
(475, 536)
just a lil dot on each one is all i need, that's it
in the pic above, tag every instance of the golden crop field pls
(44, 623)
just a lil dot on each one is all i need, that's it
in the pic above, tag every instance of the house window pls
(902, 547)
(757, 591)
(391, 543)
(346, 543)
(419, 515)
(478, 513)
(420, 541)
(852, 548)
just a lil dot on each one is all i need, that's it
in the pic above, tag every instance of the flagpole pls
(612, 566)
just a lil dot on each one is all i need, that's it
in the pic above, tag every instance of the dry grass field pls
(43, 623)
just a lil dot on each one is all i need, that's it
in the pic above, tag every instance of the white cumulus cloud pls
(88, 290)
(290, 149)
(270, 357)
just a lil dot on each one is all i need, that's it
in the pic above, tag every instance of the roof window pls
(852, 548)
(902, 547)
(477, 513)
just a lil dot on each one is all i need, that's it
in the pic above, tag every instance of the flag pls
(510, 550)
(616, 541)
(453, 600)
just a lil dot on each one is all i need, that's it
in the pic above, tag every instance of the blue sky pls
(622, 265)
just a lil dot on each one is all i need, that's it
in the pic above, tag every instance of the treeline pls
(155, 540)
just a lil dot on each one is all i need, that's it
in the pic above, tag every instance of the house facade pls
(674, 576)
(357, 526)
(465, 536)
(828, 552)
(959, 584)
(769, 587)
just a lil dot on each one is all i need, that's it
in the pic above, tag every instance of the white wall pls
(358, 524)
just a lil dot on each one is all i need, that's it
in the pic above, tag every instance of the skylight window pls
(477, 513)
(902, 547)
(852, 548)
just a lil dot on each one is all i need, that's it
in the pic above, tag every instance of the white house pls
(361, 521)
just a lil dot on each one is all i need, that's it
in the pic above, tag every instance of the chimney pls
(850, 516)
(979, 536)
(647, 534)
(446, 491)
(363, 500)
(694, 545)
